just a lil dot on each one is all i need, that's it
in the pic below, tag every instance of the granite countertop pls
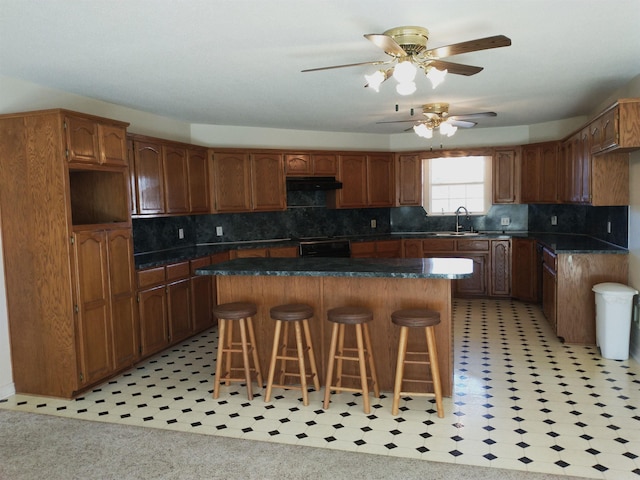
(558, 243)
(448, 268)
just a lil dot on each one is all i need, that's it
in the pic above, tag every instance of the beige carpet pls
(34, 446)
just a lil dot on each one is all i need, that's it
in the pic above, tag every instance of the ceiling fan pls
(408, 48)
(436, 116)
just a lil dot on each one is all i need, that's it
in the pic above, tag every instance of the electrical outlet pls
(608, 227)
(374, 224)
(219, 231)
(554, 220)
(181, 233)
(504, 221)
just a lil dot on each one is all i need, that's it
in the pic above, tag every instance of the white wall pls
(18, 96)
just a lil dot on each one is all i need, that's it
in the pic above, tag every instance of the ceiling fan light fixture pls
(405, 71)
(423, 131)
(406, 88)
(447, 129)
(375, 79)
(436, 76)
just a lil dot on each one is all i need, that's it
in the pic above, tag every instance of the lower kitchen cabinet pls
(500, 285)
(568, 301)
(154, 315)
(525, 280)
(380, 249)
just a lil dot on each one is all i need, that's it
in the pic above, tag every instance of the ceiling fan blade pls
(378, 62)
(471, 46)
(474, 115)
(456, 68)
(461, 123)
(388, 44)
(400, 121)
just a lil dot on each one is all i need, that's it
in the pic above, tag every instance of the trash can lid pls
(615, 289)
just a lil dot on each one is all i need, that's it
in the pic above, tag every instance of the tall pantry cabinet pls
(67, 249)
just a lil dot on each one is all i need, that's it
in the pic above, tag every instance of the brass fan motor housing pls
(440, 109)
(413, 40)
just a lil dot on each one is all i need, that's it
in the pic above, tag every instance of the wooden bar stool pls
(299, 315)
(358, 317)
(227, 314)
(417, 318)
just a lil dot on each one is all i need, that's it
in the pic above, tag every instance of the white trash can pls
(613, 319)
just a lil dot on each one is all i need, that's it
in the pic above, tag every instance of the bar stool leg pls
(397, 386)
(340, 355)
(220, 357)
(372, 365)
(228, 345)
(301, 365)
(254, 351)
(363, 370)
(245, 357)
(332, 353)
(312, 355)
(272, 363)
(435, 370)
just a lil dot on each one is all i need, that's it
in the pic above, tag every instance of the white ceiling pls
(239, 62)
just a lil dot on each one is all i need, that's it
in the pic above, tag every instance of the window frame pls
(488, 183)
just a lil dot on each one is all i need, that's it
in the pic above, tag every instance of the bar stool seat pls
(362, 353)
(227, 314)
(427, 320)
(298, 315)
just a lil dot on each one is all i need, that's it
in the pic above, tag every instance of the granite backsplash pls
(308, 216)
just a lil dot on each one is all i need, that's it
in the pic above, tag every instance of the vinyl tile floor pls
(522, 400)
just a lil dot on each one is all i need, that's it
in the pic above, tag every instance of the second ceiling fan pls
(436, 116)
(408, 48)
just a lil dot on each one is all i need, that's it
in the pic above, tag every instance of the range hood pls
(312, 183)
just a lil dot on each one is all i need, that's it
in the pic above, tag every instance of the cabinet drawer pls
(363, 249)
(178, 270)
(151, 276)
(472, 245)
(438, 245)
(197, 263)
(550, 259)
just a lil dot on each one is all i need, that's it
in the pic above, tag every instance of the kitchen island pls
(383, 285)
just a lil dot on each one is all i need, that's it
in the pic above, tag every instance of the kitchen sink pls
(458, 234)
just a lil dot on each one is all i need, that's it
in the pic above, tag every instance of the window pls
(450, 182)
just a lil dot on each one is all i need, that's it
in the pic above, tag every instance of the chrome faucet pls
(461, 207)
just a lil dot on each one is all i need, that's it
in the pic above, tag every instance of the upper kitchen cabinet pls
(95, 142)
(408, 179)
(246, 181)
(617, 128)
(506, 175)
(268, 191)
(311, 164)
(368, 180)
(539, 174)
(68, 253)
(168, 178)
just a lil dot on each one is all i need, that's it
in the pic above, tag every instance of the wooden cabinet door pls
(408, 180)
(82, 140)
(506, 175)
(133, 194)
(363, 249)
(202, 296)
(412, 249)
(549, 179)
(380, 181)
(549, 295)
(268, 191)
(324, 164)
(353, 175)
(149, 177)
(530, 176)
(525, 269)
(232, 190)
(174, 168)
(476, 285)
(124, 313)
(198, 180)
(583, 168)
(154, 330)
(95, 356)
(283, 252)
(298, 164)
(389, 249)
(113, 145)
(500, 268)
(179, 296)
